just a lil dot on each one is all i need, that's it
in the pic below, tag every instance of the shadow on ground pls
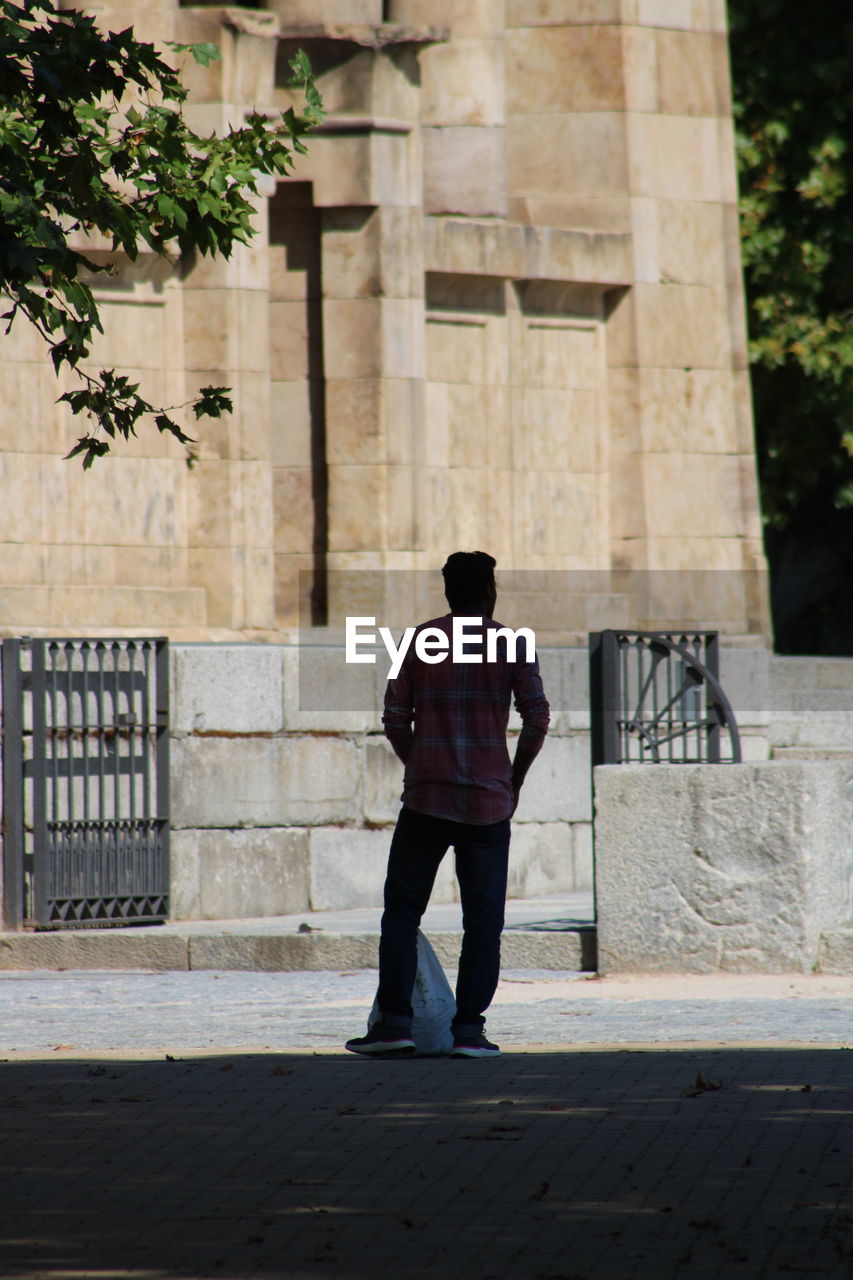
(538, 1166)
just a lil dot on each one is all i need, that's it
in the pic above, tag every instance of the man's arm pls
(532, 705)
(398, 713)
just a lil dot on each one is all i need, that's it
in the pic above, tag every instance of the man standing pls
(446, 717)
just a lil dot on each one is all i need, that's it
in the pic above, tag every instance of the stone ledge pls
(120, 949)
(364, 34)
(471, 246)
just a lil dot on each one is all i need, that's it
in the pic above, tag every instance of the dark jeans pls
(482, 856)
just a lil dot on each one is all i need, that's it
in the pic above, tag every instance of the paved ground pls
(208, 1125)
(275, 1011)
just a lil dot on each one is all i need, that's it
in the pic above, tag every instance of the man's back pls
(447, 720)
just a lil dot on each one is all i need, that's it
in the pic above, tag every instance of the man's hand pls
(522, 762)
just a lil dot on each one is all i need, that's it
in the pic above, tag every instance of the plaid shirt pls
(456, 757)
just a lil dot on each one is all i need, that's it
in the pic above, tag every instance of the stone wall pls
(279, 809)
(276, 809)
(498, 304)
(284, 790)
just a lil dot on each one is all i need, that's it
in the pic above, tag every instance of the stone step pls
(555, 933)
(572, 948)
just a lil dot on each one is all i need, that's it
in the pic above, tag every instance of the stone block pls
(692, 242)
(94, 949)
(304, 12)
(540, 859)
(396, 169)
(347, 868)
(835, 673)
(383, 782)
(639, 52)
(676, 157)
(352, 337)
(207, 320)
(565, 69)
(672, 497)
(373, 252)
(583, 861)
(476, 18)
(559, 509)
(556, 13)
(403, 487)
(463, 83)
(733, 867)
(575, 155)
(358, 513)
(293, 507)
(745, 680)
(323, 693)
(124, 609)
(355, 420)
(241, 874)
(574, 688)
(675, 14)
(290, 423)
(464, 170)
(558, 787)
(282, 952)
(226, 688)
(478, 426)
(466, 348)
(340, 170)
(671, 326)
(688, 83)
(680, 408)
(264, 782)
(288, 328)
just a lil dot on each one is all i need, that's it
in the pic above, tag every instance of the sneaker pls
(473, 1044)
(382, 1040)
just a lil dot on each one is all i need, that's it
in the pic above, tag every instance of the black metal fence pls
(655, 698)
(85, 782)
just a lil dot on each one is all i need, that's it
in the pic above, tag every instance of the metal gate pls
(655, 698)
(85, 782)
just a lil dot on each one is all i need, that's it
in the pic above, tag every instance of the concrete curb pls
(128, 949)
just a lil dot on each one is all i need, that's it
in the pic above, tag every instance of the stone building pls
(499, 304)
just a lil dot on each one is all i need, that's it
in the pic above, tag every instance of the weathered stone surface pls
(573, 950)
(558, 786)
(95, 949)
(464, 168)
(383, 781)
(233, 689)
(737, 867)
(540, 859)
(583, 860)
(239, 874)
(323, 692)
(264, 782)
(835, 952)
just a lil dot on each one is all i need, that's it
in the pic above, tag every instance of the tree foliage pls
(793, 93)
(93, 143)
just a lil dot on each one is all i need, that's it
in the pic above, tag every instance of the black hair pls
(469, 580)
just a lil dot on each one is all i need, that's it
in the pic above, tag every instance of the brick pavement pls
(568, 1163)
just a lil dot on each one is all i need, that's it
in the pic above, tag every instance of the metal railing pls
(655, 698)
(85, 782)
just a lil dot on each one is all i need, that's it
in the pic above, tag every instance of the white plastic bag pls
(433, 1004)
